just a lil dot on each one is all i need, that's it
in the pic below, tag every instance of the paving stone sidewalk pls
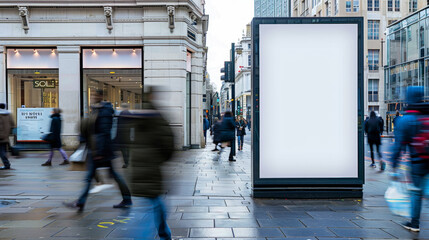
(208, 198)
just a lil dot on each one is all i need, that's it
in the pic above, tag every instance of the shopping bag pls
(78, 159)
(80, 154)
(398, 199)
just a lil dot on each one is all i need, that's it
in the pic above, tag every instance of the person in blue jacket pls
(206, 126)
(406, 128)
(227, 133)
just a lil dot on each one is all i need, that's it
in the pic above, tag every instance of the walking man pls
(406, 129)
(97, 133)
(152, 146)
(373, 131)
(6, 124)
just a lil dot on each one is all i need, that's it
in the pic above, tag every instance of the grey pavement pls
(207, 197)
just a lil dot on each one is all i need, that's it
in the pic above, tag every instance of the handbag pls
(47, 137)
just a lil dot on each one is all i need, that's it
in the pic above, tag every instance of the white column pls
(3, 77)
(69, 92)
(197, 100)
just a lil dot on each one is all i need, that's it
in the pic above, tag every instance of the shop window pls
(32, 89)
(117, 72)
(373, 90)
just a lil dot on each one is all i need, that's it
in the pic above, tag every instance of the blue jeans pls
(92, 169)
(160, 212)
(416, 198)
(240, 141)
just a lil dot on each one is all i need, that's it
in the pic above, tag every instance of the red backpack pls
(421, 140)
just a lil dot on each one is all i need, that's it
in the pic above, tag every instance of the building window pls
(373, 29)
(412, 7)
(328, 12)
(373, 108)
(355, 5)
(373, 90)
(397, 5)
(376, 5)
(249, 60)
(348, 6)
(336, 7)
(390, 5)
(373, 58)
(369, 5)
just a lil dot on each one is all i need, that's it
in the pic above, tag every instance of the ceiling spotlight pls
(134, 50)
(15, 50)
(53, 51)
(35, 50)
(114, 51)
(93, 51)
(112, 72)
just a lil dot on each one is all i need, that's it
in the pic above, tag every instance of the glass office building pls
(407, 59)
(272, 8)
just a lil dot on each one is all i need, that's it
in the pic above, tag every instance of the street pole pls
(233, 150)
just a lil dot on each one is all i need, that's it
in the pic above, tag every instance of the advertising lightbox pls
(308, 96)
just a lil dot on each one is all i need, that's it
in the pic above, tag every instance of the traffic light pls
(227, 70)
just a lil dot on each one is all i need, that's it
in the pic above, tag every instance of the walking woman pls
(373, 131)
(54, 138)
(241, 131)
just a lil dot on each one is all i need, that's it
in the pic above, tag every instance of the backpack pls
(420, 141)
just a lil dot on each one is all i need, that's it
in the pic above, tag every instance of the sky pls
(227, 20)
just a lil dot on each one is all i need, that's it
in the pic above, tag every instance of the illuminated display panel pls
(308, 85)
(112, 58)
(32, 58)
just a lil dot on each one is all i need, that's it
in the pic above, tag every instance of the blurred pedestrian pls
(55, 138)
(97, 132)
(6, 125)
(381, 124)
(411, 131)
(216, 133)
(123, 134)
(227, 133)
(249, 124)
(373, 131)
(396, 119)
(206, 126)
(241, 131)
(152, 146)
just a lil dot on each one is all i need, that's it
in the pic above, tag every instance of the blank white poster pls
(308, 101)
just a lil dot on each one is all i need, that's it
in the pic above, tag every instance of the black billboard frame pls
(307, 187)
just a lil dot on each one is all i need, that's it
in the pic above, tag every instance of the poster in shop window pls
(33, 123)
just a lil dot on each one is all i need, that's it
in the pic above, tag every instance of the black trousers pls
(371, 147)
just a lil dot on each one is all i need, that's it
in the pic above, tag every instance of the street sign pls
(227, 70)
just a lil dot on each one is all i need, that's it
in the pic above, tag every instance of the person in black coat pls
(241, 131)
(96, 132)
(373, 131)
(216, 134)
(227, 133)
(54, 138)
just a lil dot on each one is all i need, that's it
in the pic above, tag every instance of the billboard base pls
(308, 193)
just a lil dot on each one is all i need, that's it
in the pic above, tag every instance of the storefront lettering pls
(31, 115)
(44, 83)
